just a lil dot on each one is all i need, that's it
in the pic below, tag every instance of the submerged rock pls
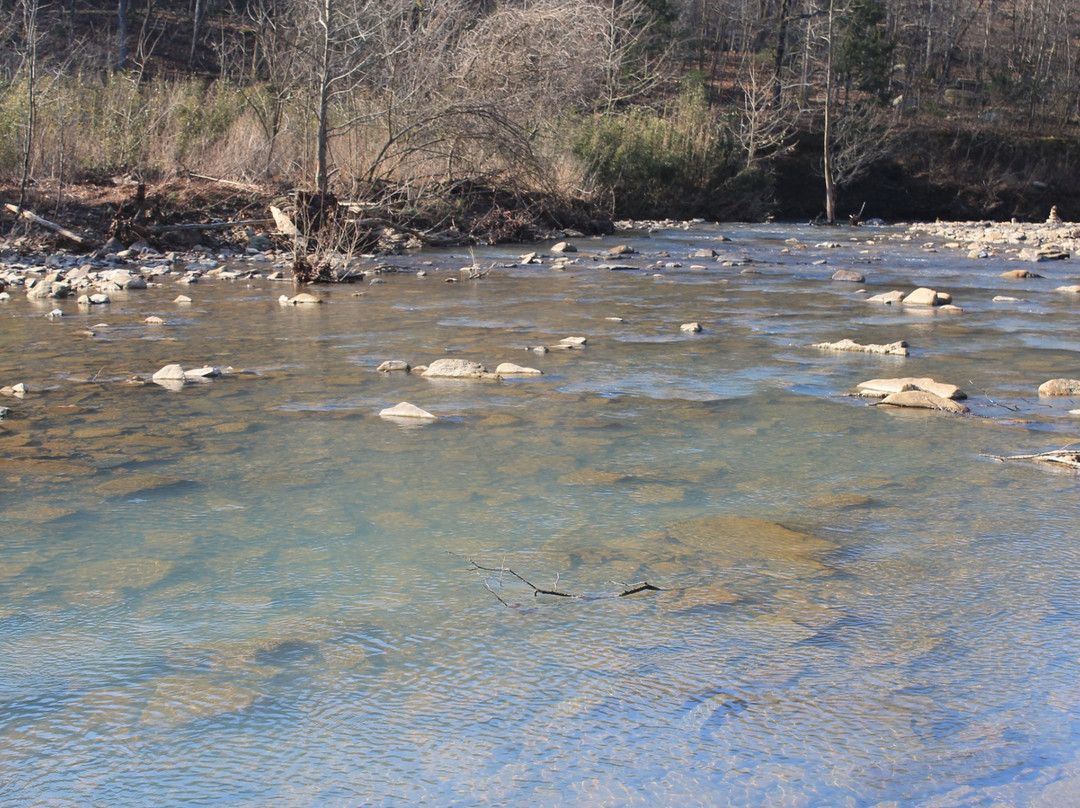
(898, 348)
(391, 365)
(691, 328)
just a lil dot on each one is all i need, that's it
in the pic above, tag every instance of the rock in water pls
(848, 275)
(1060, 387)
(510, 369)
(878, 388)
(456, 369)
(898, 348)
(924, 400)
(927, 297)
(406, 410)
(172, 372)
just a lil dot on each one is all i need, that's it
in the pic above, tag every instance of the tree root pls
(1070, 458)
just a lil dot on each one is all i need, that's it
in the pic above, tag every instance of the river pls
(255, 591)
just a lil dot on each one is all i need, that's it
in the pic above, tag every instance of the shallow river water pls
(255, 591)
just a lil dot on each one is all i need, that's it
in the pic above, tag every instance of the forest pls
(503, 113)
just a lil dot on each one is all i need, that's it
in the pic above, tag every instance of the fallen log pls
(30, 216)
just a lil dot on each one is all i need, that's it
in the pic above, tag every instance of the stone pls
(172, 372)
(205, 372)
(622, 249)
(260, 243)
(923, 399)
(55, 314)
(153, 319)
(17, 390)
(510, 369)
(691, 328)
(1060, 387)
(1072, 290)
(704, 254)
(456, 369)
(563, 247)
(577, 341)
(887, 298)
(1015, 274)
(302, 299)
(898, 348)
(46, 288)
(182, 299)
(1005, 299)
(878, 388)
(391, 365)
(848, 276)
(924, 296)
(406, 410)
(99, 299)
(123, 279)
(1047, 253)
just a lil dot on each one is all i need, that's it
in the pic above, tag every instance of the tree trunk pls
(827, 147)
(322, 176)
(121, 34)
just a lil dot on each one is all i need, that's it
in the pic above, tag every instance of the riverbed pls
(254, 590)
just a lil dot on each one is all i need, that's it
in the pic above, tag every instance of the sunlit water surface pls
(256, 591)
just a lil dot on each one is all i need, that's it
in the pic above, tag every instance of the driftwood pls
(626, 591)
(30, 216)
(1069, 458)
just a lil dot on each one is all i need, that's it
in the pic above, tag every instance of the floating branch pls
(992, 402)
(554, 591)
(1070, 458)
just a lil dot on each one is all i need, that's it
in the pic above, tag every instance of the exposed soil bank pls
(943, 175)
(955, 176)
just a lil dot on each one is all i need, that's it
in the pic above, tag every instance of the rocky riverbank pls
(1045, 241)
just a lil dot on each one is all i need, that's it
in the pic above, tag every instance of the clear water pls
(255, 591)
